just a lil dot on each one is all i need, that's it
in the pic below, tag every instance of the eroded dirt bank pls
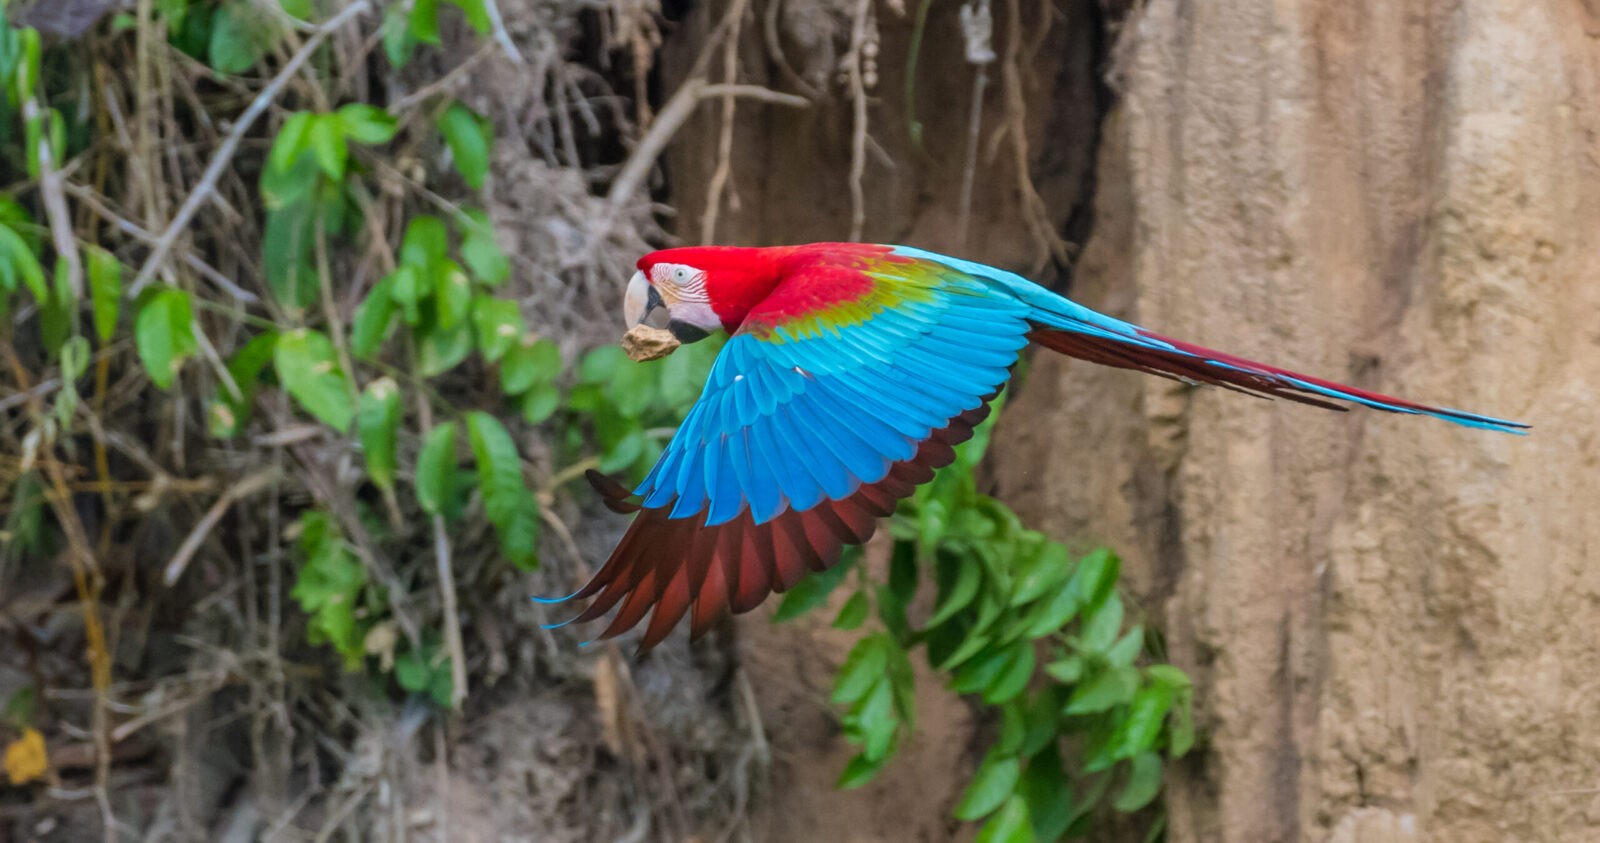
(1393, 622)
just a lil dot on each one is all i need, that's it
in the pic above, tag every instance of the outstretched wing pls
(839, 394)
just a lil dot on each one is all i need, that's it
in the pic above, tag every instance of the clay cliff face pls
(1394, 622)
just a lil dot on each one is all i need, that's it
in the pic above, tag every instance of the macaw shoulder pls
(834, 284)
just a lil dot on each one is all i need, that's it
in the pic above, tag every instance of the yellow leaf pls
(26, 758)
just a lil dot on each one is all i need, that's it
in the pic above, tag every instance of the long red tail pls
(1146, 351)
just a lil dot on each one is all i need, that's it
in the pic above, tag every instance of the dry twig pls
(191, 543)
(858, 102)
(730, 72)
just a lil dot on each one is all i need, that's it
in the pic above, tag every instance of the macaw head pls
(701, 289)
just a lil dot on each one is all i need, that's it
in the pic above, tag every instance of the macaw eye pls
(680, 274)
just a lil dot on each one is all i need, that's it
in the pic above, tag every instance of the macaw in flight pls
(850, 373)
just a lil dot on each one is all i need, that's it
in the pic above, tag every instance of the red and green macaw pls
(850, 373)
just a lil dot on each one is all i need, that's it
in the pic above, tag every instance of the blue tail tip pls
(551, 600)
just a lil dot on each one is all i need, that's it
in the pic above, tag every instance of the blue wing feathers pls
(794, 416)
(691, 487)
(865, 422)
(798, 487)
(830, 473)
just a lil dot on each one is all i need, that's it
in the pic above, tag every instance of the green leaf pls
(1049, 616)
(105, 291)
(1049, 795)
(411, 670)
(968, 577)
(26, 70)
(1104, 690)
(406, 290)
(1042, 720)
(377, 424)
(328, 145)
(426, 243)
(875, 721)
(1138, 730)
(862, 670)
(1127, 649)
(977, 673)
(309, 371)
(452, 293)
(164, 334)
(1101, 626)
(367, 124)
(872, 722)
(20, 707)
(1144, 782)
(1042, 570)
(1011, 825)
(425, 21)
(441, 349)
(903, 680)
(1013, 680)
(971, 643)
(1068, 670)
(854, 611)
(58, 313)
(507, 501)
(530, 362)
(373, 319)
(1013, 727)
(436, 466)
(903, 572)
(1096, 576)
(301, 9)
(398, 43)
(17, 260)
(499, 326)
(227, 415)
(625, 451)
(291, 142)
(241, 35)
(477, 14)
(481, 250)
(286, 254)
(971, 452)
(1181, 737)
(810, 592)
(602, 364)
(295, 184)
(539, 403)
(470, 140)
(859, 771)
(1170, 676)
(991, 786)
(329, 588)
(74, 359)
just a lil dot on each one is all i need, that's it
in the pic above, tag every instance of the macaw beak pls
(640, 300)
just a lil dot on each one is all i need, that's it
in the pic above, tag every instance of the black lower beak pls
(686, 333)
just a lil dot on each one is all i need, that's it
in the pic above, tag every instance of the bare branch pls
(670, 119)
(238, 491)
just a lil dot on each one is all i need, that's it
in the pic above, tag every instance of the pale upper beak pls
(640, 300)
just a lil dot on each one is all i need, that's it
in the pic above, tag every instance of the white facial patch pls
(683, 289)
(679, 282)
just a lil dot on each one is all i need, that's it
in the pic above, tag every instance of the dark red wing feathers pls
(680, 566)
